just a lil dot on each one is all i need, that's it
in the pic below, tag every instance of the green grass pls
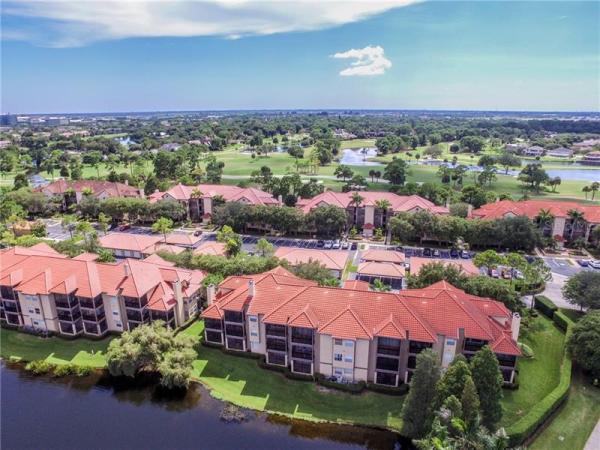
(539, 375)
(574, 422)
(240, 381)
(357, 143)
(26, 347)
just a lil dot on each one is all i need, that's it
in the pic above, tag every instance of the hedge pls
(561, 320)
(527, 425)
(545, 305)
(353, 388)
(389, 390)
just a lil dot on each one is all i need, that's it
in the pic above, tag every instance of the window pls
(119, 325)
(348, 359)
(253, 333)
(115, 313)
(348, 371)
(35, 322)
(37, 310)
(337, 341)
(253, 319)
(337, 356)
(31, 311)
(348, 343)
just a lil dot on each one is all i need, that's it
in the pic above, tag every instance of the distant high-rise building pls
(8, 119)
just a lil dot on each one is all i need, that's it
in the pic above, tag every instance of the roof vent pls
(251, 288)
(127, 269)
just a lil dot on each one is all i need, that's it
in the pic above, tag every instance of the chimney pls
(515, 325)
(210, 294)
(461, 339)
(448, 203)
(251, 290)
(179, 299)
(156, 191)
(126, 269)
(280, 198)
(126, 182)
(470, 211)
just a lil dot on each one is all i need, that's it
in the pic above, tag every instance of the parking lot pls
(55, 230)
(564, 267)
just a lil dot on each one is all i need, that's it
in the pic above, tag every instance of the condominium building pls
(45, 291)
(368, 213)
(199, 201)
(74, 191)
(355, 334)
(561, 226)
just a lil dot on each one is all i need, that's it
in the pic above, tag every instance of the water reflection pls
(359, 157)
(100, 411)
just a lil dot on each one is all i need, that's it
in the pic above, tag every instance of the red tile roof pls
(130, 241)
(417, 263)
(420, 314)
(331, 259)
(398, 202)
(383, 256)
(531, 209)
(357, 285)
(229, 193)
(381, 269)
(40, 273)
(211, 248)
(112, 189)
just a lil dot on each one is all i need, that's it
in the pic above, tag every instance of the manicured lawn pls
(26, 347)
(539, 375)
(357, 143)
(574, 422)
(240, 381)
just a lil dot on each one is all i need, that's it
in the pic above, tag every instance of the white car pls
(345, 245)
(595, 263)
(328, 245)
(336, 244)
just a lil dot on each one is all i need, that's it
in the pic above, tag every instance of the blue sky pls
(439, 55)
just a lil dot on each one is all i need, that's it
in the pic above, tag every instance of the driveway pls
(553, 291)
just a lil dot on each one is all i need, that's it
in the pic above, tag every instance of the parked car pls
(518, 274)
(583, 262)
(453, 253)
(320, 243)
(345, 245)
(336, 244)
(436, 253)
(400, 248)
(124, 227)
(595, 263)
(354, 246)
(197, 233)
(328, 245)
(465, 254)
(427, 252)
(494, 273)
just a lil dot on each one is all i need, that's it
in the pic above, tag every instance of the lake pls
(100, 412)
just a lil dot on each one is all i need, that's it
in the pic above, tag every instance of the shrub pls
(519, 431)
(39, 367)
(82, 371)
(64, 370)
(389, 390)
(545, 306)
(526, 350)
(354, 388)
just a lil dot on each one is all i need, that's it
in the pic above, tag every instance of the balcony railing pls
(276, 345)
(275, 330)
(385, 350)
(13, 319)
(235, 344)
(276, 358)
(473, 347)
(302, 339)
(302, 366)
(417, 347)
(507, 360)
(389, 364)
(388, 379)
(302, 354)
(213, 324)
(234, 316)
(11, 307)
(214, 336)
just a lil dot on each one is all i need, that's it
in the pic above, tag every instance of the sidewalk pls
(593, 442)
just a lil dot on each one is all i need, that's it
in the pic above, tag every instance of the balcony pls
(234, 330)
(234, 316)
(276, 358)
(388, 364)
(416, 347)
(412, 362)
(473, 345)
(302, 336)
(135, 302)
(65, 301)
(507, 360)
(138, 316)
(7, 293)
(213, 324)
(235, 343)
(302, 367)
(10, 306)
(13, 319)
(275, 330)
(277, 345)
(302, 352)
(215, 337)
(91, 328)
(387, 379)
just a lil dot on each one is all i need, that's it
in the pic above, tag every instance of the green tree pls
(327, 220)
(395, 172)
(534, 176)
(583, 290)
(232, 240)
(163, 225)
(577, 219)
(264, 247)
(508, 160)
(488, 380)
(343, 172)
(315, 271)
(584, 343)
(153, 348)
(453, 381)
(103, 222)
(418, 408)
(68, 223)
(469, 401)
(380, 286)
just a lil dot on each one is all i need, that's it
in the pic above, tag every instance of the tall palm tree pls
(356, 199)
(544, 218)
(577, 218)
(384, 205)
(586, 189)
(594, 187)
(196, 195)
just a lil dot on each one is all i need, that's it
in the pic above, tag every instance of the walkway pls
(593, 442)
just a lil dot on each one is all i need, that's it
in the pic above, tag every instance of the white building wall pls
(116, 320)
(325, 354)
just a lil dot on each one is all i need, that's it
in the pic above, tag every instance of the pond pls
(103, 412)
(359, 157)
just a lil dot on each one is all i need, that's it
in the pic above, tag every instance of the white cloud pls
(69, 23)
(369, 61)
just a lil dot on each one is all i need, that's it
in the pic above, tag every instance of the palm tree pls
(372, 175)
(196, 194)
(384, 205)
(577, 218)
(380, 286)
(594, 188)
(163, 225)
(544, 218)
(377, 175)
(68, 223)
(356, 199)
(586, 189)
